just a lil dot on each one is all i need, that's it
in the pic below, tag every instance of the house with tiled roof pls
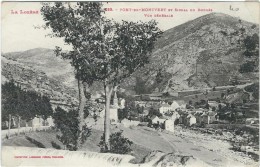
(165, 108)
(209, 117)
(156, 120)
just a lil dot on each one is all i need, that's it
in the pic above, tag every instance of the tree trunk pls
(9, 124)
(82, 102)
(19, 124)
(108, 93)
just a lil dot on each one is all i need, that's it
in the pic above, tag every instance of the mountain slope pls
(45, 60)
(32, 79)
(196, 54)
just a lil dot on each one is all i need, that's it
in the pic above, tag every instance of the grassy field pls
(45, 139)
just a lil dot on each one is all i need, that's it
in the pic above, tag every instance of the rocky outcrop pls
(160, 159)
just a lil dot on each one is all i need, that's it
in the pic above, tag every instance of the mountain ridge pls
(187, 56)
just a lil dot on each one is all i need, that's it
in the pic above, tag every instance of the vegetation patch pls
(33, 141)
(55, 145)
(118, 144)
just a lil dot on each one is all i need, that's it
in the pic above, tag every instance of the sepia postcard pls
(130, 84)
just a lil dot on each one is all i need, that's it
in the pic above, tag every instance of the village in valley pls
(209, 110)
(130, 94)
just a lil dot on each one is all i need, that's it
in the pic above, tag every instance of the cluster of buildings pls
(36, 122)
(178, 113)
(172, 113)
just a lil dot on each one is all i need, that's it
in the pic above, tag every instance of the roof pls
(204, 114)
(180, 102)
(164, 117)
(165, 105)
(198, 114)
(154, 116)
(190, 115)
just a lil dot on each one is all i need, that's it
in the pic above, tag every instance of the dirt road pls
(213, 152)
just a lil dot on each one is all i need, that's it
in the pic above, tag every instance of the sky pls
(19, 33)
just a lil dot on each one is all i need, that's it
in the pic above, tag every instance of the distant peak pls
(217, 14)
(37, 49)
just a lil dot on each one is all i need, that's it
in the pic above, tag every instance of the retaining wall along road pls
(13, 132)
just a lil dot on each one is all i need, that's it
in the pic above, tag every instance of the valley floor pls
(210, 150)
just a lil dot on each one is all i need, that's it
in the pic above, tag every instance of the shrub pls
(118, 144)
(247, 67)
(33, 141)
(55, 145)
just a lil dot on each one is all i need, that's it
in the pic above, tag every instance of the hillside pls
(30, 78)
(45, 60)
(196, 54)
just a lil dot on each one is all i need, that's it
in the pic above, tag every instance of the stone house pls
(209, 117)
(175, 115)
(156, 120)
(169, 125)
(190, 120)
(165, 108)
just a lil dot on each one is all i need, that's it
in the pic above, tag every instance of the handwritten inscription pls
(233, 9)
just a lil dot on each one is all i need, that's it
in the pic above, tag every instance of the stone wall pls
(13, 132)
(127, 123)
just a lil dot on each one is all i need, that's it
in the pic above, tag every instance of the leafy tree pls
(128, 49)
(23, 104)
(219, 106)
(45, 107)
(207, 106)
(139, 109)
(118, 143)
(122, 114)
(251, 44)
(102, 49)
(153, 111)
(159, 76)
(76, 23)
(67, 123)
(249, 66)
